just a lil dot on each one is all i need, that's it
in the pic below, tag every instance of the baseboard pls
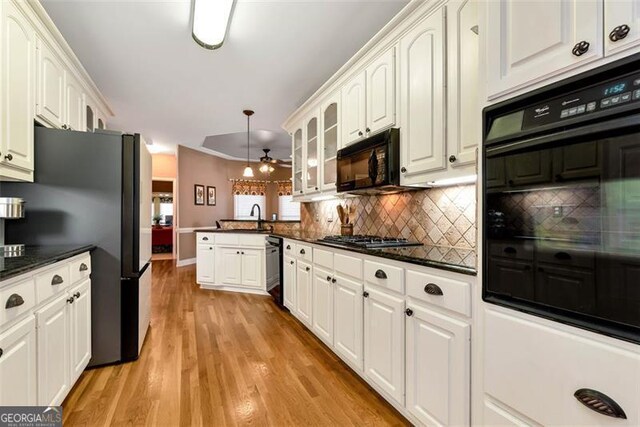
(185, 262)
(227, 288)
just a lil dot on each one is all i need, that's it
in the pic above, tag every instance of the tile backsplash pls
(442, 216)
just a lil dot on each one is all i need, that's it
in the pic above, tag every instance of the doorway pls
(163, 218)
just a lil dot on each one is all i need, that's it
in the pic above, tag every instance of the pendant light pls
(248, 172)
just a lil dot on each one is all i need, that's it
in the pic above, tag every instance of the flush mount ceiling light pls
(211, 21)
(248, 172)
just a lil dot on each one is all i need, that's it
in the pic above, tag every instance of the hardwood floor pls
(222, 358)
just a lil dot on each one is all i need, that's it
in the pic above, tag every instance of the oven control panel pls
(607, 95)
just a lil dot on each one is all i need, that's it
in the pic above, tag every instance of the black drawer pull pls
(205, 238)
(57, 280)
(619, 32)
(510, 250)
(381, 274)
(581, 48)
(302, 252)
(83, 267)
(563, 256)
(14, 300)
(599, 402)
(433, 289)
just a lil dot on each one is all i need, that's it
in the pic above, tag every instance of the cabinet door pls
(296, 143)
(621, 17)
(534, 40)
(384, 342)
(323, 305)
(353, 109)
(205, 264)
(577, 161)
(381, 92)
(252, 268)
(464, 130)
(229, 266)
(348, 318)
(329, 116)
(289, 283)
(50, 105)
(75, 103)
(422, 101)
(311, 161)
(529, 168)
(438, 368)
(304, 293)
(54, 342)
(18, 88)
(18, 365)
(80, 329)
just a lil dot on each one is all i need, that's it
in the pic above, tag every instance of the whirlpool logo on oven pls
(541, 111)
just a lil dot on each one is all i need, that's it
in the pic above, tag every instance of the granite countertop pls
(262, 220)
(38, 256)
(231, 230)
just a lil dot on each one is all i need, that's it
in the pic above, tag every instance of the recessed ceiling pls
(160, 83)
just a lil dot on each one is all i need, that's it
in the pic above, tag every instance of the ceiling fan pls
(267, 159)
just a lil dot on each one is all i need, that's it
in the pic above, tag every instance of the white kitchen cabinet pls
(464, 130)
(229, 264)
(381, 92)
(101, 121)
(354, 104)
(311, 159)
(531, 41)
(422, 100)
(80, 327)
(621, 25)
(18, 91)
(438, 367)
(50, 106)
(289, 283)
(297, 164)
(384, 352)
(18, 364)
(205, 263)
(75, 109)
(304, 292)
(252, 267)
(348, 320)
(330, 142)
(54, 343)
(323, 304)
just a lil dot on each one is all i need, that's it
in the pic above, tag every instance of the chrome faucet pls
(253, 209)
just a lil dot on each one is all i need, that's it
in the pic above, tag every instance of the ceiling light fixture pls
(248, 172)
(210, 22)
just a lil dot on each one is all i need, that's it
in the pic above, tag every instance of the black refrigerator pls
(95, 188)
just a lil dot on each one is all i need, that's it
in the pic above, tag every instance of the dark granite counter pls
(36, 257)
(445, 258)
(231, 230)
(263, 220)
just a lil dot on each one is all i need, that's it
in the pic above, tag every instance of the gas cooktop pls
(369, 242)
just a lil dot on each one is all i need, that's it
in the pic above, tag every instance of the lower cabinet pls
(348, 320)
(80, 320)
(205, 263)
(438, 367)
(384, 342)
(323, 304)
(252, 267)
(18, 364)
(304, 292)
(289, 283)
(230, 266)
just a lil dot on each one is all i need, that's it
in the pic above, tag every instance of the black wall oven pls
(561, 193)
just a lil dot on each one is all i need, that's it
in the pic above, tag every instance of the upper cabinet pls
(531, 41)
(621, 25)
(296, 142)
(422, 101)
(354, 122)
(311, 155)
(329, 119)
(41, 80)
(381, 91)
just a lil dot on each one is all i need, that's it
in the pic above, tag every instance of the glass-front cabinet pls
(311, 155)
(330, 143)
(297, 162)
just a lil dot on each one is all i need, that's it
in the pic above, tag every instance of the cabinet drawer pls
(52, 282)
(257, 240)
(304, 252)
(323, 258)
(535, 369)
(348, 265)
(225, 239)
(456, 294)
(20, 298)
(289, 248)
(516, 250)
(80, 269)
(209, 238)
(384, 275)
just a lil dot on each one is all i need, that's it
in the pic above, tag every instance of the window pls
(289, 210)
(242, 204)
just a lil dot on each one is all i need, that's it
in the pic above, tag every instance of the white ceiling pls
(160, 83)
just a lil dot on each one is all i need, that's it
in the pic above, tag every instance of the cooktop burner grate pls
(369, 242)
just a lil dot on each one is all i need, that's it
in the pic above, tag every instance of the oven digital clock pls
(615, 89)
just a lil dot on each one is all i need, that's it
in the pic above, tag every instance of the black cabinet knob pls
(291, 262)
(403, 169)
(83, 267)
(77, 295)
(302, 252)
(409, 312)
(328, 278)
(360, 133)
(333, 280)
(288, 246)
(1, 352)
(368, 130)
(8, 157)
(365, 294)
(580, 48)
(511, 182)
(308, 268)
(619, 32)
(70, 300)
(242, 253)
(452, 158)
(238, 252)
(316, 188)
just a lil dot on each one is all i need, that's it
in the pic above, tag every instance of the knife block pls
(346, 229)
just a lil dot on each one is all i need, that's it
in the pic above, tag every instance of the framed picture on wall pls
(211, 196)
(198, 193)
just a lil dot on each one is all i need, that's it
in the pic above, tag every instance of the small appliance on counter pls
(11, 208)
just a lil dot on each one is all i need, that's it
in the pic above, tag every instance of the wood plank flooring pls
(219, 358)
